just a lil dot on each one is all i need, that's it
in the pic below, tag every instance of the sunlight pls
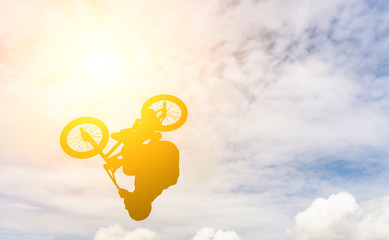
(100, 61)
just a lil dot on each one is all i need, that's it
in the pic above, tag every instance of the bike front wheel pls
(171, 111)
(73, 143)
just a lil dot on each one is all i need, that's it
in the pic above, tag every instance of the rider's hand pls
(123, 192)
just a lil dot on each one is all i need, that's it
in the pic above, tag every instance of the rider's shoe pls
(117, 136)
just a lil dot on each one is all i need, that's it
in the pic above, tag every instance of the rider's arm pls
(123, 193)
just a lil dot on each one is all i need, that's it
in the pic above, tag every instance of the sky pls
(286, 136)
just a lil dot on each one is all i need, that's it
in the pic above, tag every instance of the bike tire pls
(166, 127)
(72, 133)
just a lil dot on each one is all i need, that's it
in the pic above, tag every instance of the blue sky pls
(287, 131)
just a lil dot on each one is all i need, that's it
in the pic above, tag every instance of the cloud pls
(212, 234)
(340, 217)
(116, 232)
(270, 86)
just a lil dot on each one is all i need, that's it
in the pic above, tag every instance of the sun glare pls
(99, 63)
(100, 59)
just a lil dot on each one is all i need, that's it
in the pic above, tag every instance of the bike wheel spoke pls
(76, 141)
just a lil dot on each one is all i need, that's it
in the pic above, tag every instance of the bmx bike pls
(86, 137)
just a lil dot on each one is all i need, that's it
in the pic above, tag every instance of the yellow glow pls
(101, 60)
(99, 64)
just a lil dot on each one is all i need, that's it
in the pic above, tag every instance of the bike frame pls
(107, 157)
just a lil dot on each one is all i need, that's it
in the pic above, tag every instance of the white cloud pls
(212, 234)
(116, 232)
(264, 81)
(340, 217)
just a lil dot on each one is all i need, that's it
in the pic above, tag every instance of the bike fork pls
(88, 138)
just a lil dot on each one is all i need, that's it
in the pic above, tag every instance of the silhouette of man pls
(155, 165)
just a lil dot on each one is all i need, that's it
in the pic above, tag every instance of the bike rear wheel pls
(176, 111)
(73, 143)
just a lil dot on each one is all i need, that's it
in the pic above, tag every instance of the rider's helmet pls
(137, 208)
